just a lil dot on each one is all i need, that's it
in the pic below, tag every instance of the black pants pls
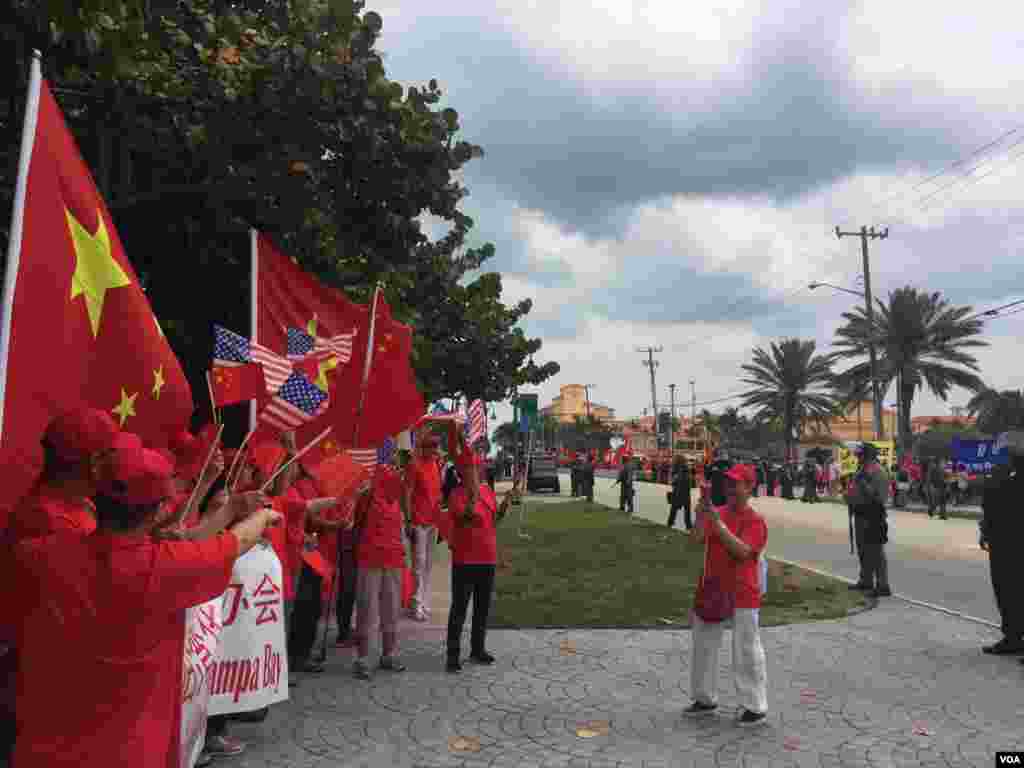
(680, 500)
(476, 581)
(626, 498)
(305, 617)
(1005, 569)
(346, 592)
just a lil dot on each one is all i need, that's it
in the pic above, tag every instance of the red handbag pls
(715, 601)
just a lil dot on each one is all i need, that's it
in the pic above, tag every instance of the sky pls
(670, 174)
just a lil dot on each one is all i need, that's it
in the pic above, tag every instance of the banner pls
(252, 668)
(848, 459)
(979, 455)
(202, 634)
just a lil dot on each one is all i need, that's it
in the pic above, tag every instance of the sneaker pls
(1005, 647)
(361, 669)
(751, 718)
(391, 664)
(699, 708)
(224, 746)
(481, 658)
(882, 592)
(453, 665)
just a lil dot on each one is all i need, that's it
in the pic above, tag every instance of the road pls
(931, 561)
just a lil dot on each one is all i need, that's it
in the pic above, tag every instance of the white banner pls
(202, 633)
(252, 667)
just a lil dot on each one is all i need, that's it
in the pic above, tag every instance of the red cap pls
(266, 457)
(78, 434)
(145, 475)
(742, 473)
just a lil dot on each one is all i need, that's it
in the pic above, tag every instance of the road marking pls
(904, 598)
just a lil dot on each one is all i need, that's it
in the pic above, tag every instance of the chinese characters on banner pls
(251, 670)
(202, 633)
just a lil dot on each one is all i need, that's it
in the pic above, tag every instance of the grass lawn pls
(595, 567)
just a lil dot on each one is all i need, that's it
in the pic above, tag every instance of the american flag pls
(300, 344)
(366, 458)
(294, 405)
(231, 349)
(477, 421)
(339, 345)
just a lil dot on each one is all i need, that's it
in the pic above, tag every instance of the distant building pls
(571, 402)
(856, 424)
(920, 424)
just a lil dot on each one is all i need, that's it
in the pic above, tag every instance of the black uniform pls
(1001, 529)
(680, 495)
(718, 470)
(587, 480)
(786, 478)
(810, 483)
(625, 483)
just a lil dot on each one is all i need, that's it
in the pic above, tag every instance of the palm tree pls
(998, 411)
(791, 384)
(710, 428)
(549, 430)
(921, 340)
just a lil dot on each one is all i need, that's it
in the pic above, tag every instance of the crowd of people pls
(115, 541)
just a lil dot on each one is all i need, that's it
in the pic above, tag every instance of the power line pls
(995, 311)
(1009, 162)
(965, 176)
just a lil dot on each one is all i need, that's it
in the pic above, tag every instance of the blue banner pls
(979, 454)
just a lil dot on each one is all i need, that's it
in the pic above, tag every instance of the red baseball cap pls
(144, 476)
(743, 473)
(78, 434)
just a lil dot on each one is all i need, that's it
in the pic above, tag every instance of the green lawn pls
(595, 567)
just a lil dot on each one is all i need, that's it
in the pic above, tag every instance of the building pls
(856, 424)
(571, 402)
(919, 424)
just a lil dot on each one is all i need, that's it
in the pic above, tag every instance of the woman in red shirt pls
(381, 515)
(424, 478)
(472, 510)
(730, 589)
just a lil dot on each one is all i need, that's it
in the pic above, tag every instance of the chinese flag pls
(237, 383)
(77, 328)
(339, 476)
(289, 297)
(392, 403)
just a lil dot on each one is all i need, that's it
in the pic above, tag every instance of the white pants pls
(748, 660)
(378, 603)
(424, 537)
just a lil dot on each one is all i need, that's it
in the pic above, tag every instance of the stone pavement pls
(894, 686)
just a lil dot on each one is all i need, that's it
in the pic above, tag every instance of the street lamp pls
(876, 397)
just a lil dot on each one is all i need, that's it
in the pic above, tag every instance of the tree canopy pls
(201, 118)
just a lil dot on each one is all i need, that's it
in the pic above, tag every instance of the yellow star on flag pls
(126, 407)
(324, 367)
(96, 269)
(158, 382)
(329, 447)
(311, 326)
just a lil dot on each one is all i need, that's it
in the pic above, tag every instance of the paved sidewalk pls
(896, 686)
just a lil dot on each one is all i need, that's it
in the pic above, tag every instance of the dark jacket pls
(1003, 518)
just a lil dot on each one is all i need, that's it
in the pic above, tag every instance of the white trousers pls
(424, 537)
(748, 660)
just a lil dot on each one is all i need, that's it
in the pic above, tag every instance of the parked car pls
(543, 473)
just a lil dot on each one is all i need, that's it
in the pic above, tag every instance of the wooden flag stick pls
(312, 444)
(228, 483)
(213, 402)
(183, 513)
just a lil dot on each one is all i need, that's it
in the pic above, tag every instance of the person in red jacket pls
(424, 478)
(102, 623)
(472, 513)
(381, 516)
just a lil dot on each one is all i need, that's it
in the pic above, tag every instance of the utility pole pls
(651, 363)
(693, 403)
(672, 420)
(866, 234)
(586, 389)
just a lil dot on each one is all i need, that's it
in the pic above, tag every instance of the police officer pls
(680, 494)
(625, 483)
(868, 492)
(1001, 527)
(587, 479)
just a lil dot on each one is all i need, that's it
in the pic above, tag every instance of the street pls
(932, 561)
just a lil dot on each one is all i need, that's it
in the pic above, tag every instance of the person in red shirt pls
(424, 477)
(470, 531)
(735, 536)
(102, 623)
(381, 516)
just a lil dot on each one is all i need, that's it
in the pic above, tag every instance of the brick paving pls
(894, 686)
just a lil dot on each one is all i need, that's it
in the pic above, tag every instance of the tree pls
(710, 430)
(201, 118)
(790, 384)
(506, 436)
(549, 430)
(998, 411)
(921, 340)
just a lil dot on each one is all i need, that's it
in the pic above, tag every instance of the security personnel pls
(680, 493)
(868, 492)
(575, 471)
(625, 483)
(1001, 527)
(587, 479)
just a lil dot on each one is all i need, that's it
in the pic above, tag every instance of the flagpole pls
(367, 364)
(28, 138)
(254, 299)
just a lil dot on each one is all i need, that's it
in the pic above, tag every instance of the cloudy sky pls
(671, 174)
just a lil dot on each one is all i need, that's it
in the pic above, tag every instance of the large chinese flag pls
(391, 402)
(286, 296)
(77, 328)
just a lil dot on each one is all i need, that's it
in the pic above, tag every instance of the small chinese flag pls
(339, 476)
(326, 449)
(237, 383)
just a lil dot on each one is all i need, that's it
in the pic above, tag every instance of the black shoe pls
(699, 708)
(453, 665)
(751, 718)
(882, 592)
(481, 658)
(943, 517)
(860, 587)
(1005, 647)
